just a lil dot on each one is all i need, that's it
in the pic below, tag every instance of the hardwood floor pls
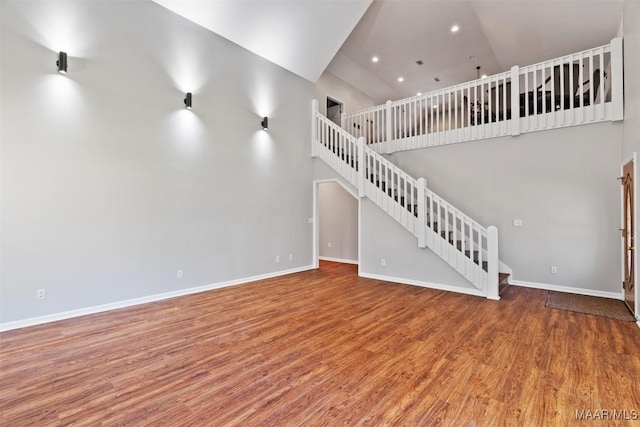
(323, 347)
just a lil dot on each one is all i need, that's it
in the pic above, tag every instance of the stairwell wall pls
(109, 185)
(328, 85)
(404, 262)
(561, 183)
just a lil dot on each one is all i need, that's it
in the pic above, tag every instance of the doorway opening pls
(336, 223)
(334, 111)
(628, 230)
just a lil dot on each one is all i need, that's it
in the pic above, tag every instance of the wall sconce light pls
(265, 123)
(187, 101)
(62, 62)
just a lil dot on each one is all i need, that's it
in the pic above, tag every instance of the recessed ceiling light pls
(375, 59)
(436, 79)
(400, 79)
(484, 76)
(435, 107)
(455, 29)
(419, 93)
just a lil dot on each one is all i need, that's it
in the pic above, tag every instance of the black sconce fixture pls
(62, 62)
(265, 123)
(187, 101)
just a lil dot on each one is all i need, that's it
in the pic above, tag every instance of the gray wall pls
(561, 183)
(383, 238)
(108, 185)
(335, 88)
(338, 212)
(631, 28)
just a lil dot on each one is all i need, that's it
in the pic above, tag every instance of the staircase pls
(468, 247)
(576, 89)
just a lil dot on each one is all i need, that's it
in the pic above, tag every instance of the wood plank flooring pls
(323, 347)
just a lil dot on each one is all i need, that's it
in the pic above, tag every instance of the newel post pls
(388, 130)
(421, 185)
(515, 100)
(361, 167)
(492, 263)
(314, 127)
(617, 84)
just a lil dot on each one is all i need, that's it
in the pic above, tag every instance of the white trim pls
(315, 238)
(437, 286)
(504, 268)
(316, 220)
(633, 157)
(567, 289)
(337, 181)
(359, 232)
(337, 101)
(142, 300)
(341, 260)
(635, 233)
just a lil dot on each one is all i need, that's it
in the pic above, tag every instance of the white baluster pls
(314, 127)
(361, 166)
(617, 111)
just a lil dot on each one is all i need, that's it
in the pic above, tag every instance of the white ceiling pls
(497, 33)
(301, 36)
(307, 36)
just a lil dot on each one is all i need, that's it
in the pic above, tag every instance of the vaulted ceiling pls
(493, 34)
(341, 36)
(301, 36)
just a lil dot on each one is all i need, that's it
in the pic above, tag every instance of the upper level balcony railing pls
(581, 88)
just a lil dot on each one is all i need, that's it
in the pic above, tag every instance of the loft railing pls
(463, 243)
(581, 88)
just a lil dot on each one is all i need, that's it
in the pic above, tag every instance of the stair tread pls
(503, 282)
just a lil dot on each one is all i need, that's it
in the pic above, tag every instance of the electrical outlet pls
(179, 274)
(277, 258)
(290, 257)
(554, 269)
(40, 294)
(517, 222)
(383, 262)
(329, 244)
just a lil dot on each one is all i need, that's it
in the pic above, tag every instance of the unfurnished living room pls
(311, 212)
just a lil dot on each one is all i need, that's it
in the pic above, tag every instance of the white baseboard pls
(344, 261)
(142, 300)
(438, 286)
(567, 289)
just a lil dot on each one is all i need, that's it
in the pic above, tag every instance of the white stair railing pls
(581, 88)
(468, 247)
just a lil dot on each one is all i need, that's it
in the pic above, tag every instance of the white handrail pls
(583, 87)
